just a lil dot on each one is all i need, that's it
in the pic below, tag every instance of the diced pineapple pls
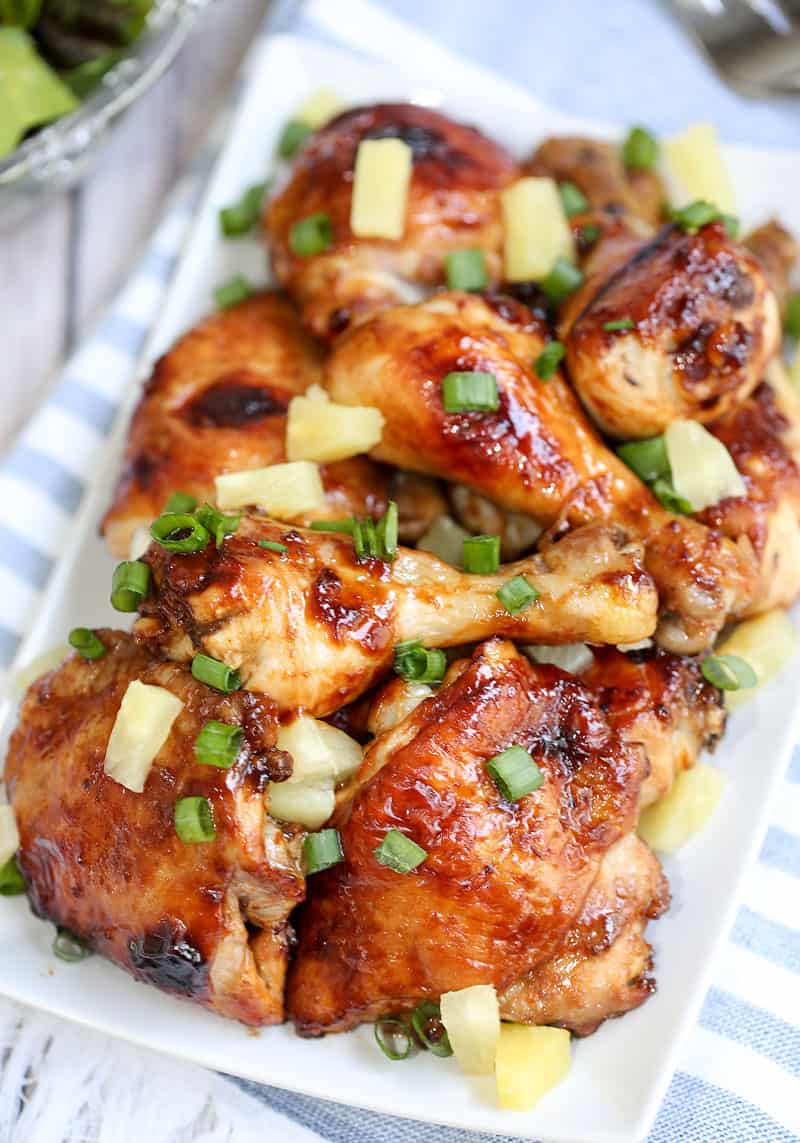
(445, 540)
(530, 1061)
(767, 643)
(319, 108)
(9, 836)
(282, 490)
(324, 431)
(535, 228)
(39, 666)
(140, 542)
(320, 752)
(571, 657)
(401, 700)
(680, 814)
(471, 1017)
(307, 803)
(695, 159)
(141, 728)
(703, 471)
(380, 188)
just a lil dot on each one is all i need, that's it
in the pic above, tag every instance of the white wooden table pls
(61, 268)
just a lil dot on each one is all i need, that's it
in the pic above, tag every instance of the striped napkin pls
(739, 1075)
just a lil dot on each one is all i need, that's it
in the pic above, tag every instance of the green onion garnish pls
(563, 280)
(791, 322)
(129, 585)
(517, 594)
(373, 539)
(619, 326)
(218, 744)
(273, 546)
(217, 523)
(230, 293)
(480, 555)
(399, 852)
(388, 529)
(700, 213)
(12, 883)
(215, 674)
(179, 532)
(393, 1038)
(311, 235)
(549, 360)
(640, 149)
(180, 502)
(666, 495)
(573, 200)
(242, 216)
(465, 270)
(648, 458)
(68, 947)
(194, 821)
(470, 393)
(426, 1020)
(347, 525)
(86, 643)
(419, 664)
(292, 138)
(728, 672)
(514, 773)
(589, 233)
(322, 850)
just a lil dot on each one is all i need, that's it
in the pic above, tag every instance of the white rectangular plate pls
(620, 1074)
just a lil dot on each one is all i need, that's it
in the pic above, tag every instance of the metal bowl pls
(56, 157)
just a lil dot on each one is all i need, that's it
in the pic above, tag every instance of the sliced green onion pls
(388, 529)
(179, 532)
(517, 594)
(68, 947)
(465, 270)
(347, 525)
(273, 546)
(393, 1038)
(619, 326)
(589, 233)
(86, 643)
(549, 360)
(732, 225)
(666, 495)
(129, 585)
(322, 850)
(640, 149)
(194, 822)
(480, 555)
(700, 213)
(563, 280)
(728, 672)
(514, 773)
(426, 1020)
(241, 216)
(573, 200)
(230, 293)
(419, 664)
(217, 523)
(372, 539)
(218, 744)
(215, 674)
(791, 322)
(180, 502)
(648, 458)
(470, 393)
(292, 138)
(12, 883)
(399, 852)
(311, 235)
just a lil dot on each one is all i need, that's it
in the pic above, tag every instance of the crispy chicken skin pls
(777, 251)
(503, 882)
(537, 455)
(453, 203)
(208, 922)
(314, 627)
(706, 323)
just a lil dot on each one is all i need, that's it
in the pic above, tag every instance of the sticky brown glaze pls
(537, 455)
(502, 882)
(314, 627)
(777, 251)
(216, 403)
(706, 323)
(453, 203)
(208, 922)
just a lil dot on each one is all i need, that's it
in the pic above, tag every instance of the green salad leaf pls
(32, 92)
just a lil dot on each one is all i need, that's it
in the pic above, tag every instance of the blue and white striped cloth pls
(739, 1076)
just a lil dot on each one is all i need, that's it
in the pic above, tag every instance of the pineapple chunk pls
(703, 471)
(471, 1017)
(308, 803)
(570, 657)
(536, 229)
(323, 431)
(141, 728)
(380, 188)
(39, 666)
(680, 814)
(319, 751)
(282, 490)
(767, 643)
(140, 542)
(445, 540)
(9, 835)
(319, 108)
(695, 159)
(530, 1061)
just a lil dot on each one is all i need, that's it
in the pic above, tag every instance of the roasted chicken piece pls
(777, 251)
(314, 626)
(705, 325)
(502, 884)
(536, 455)
(206, 921)
(453, 203)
